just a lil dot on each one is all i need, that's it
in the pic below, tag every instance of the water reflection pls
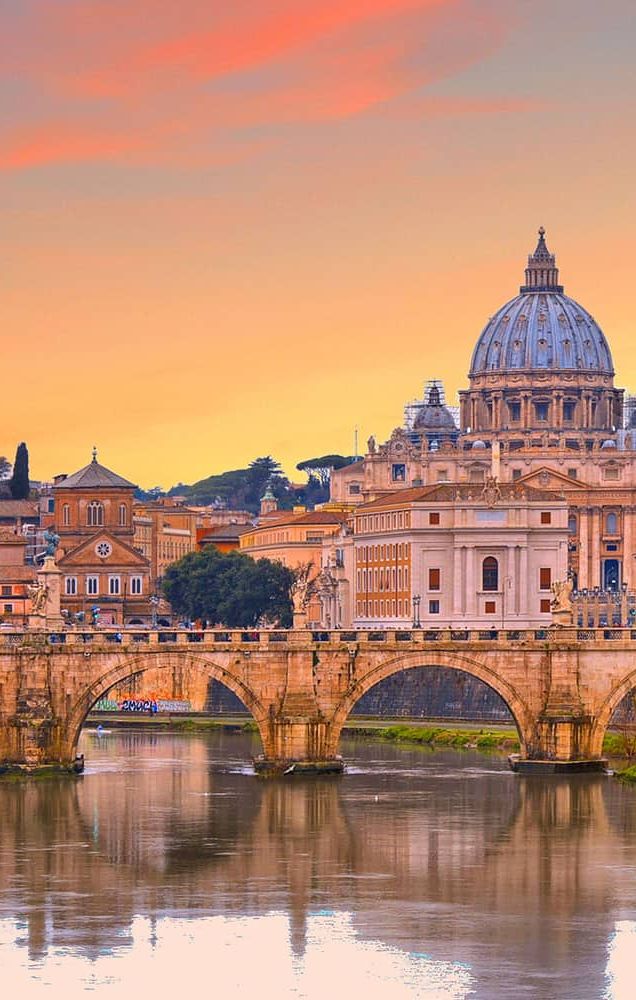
(437, 874)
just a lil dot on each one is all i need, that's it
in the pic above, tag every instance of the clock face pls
(103, 549)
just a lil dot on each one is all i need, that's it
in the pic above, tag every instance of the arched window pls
(490, 574)
(122, 514)
(611, 524)
(66, 514)
(95, 514)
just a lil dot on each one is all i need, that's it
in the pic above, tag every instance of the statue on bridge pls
(38, 593)
(300, 592)
(561, 604)
(52, 541)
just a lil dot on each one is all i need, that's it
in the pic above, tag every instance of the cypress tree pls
(19, 482)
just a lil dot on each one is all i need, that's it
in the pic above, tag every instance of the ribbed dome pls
(434, 418)
(542, 329)
(433, 414)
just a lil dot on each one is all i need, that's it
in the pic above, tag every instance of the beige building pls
(541, 411)
(454, 555)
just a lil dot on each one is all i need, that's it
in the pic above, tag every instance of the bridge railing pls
(280, 638)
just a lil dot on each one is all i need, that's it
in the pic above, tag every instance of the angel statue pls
(562, 596)
(52, 541)
(301, 589)
(38, 592)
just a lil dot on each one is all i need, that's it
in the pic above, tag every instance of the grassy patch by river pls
(437, 736)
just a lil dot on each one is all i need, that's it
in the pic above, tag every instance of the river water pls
(169, 868)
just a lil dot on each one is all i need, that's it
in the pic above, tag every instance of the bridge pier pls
(298, 745)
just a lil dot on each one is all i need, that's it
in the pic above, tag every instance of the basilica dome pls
(542, 329)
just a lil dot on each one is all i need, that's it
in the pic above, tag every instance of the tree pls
(5, 467)
(321, 467)
(242, 489)
(19, 482)
(231, 590)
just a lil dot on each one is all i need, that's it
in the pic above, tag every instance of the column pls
(628, 555)
(584, 528)
(595, 547)
(457, 583)
(471, 582)
(523, 583)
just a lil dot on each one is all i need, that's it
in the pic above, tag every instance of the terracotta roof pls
(94, 476)
(448, 492)
(19, 574)
(223, 531)
(288, 517)
(18, 508)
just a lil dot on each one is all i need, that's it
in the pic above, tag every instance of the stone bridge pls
(561, 685)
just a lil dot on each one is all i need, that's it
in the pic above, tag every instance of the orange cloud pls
(155, 92)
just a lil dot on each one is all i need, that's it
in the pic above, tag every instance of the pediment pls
(103, 549)
(546, 478)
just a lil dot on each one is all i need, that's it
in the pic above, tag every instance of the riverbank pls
(457, 735)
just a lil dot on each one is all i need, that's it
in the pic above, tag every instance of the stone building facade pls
(541, 411)
(101, 567)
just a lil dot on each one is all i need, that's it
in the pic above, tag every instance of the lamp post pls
(416, 611)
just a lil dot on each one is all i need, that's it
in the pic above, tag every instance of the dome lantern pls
(542, 274)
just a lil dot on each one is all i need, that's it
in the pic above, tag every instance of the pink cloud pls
(153, 89)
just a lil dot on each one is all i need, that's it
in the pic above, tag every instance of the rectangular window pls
(398, 473)
(544, 606)
(572, 473)
(433, 607)
(70, 585)
(515, 411)
(516, 474)
(433, 517)
(546, 517)
(611, 474)
(92, 585)
(545, 578)
(541, 410)
(442, 475)
(433, 579)
(490, 607)
(6, 591)
(8, 608)
(568, 410)
(114, 585)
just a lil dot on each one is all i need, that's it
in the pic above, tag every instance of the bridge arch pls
(379, 671)
(606, 711)
(132, 666)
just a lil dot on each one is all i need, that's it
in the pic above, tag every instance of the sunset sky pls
(237, 228)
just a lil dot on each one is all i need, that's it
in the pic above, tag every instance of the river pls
(168, 867)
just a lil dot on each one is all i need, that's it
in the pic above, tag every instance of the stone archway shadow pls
(606, 711)
(522, 716)
(134, 666)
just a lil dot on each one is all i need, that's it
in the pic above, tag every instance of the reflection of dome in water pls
(542, 328)
(433, 415)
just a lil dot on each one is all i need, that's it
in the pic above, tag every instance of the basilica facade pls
(542, 422)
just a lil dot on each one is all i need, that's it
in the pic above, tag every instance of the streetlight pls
(416, 611)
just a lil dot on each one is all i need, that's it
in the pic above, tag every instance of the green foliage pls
(320, 468)
(19, 482)
(5, 467)
(229, 590)
(242, 489)
(628, 775)
(436, 736)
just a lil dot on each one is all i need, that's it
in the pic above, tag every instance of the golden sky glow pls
(238, 229)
